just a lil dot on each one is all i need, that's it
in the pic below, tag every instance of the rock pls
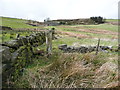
(5, 54)
(15, 54)
(76, 49)
(108, 66)
(30, 39)
(5, 66)
(39, 33)
(37, 37)
(90, 48)
(99, 49)
(39, 52)
(104, 47)
(110, 48)
(83, 49)
(22, 41)
(95, 47)
(12, 44)
(5, 28)
(70, 49)
(105, 51)
(63, 46)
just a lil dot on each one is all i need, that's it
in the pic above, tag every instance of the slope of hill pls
(15, 23)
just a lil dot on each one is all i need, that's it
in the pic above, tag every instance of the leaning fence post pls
(97, 46)
(49, 42)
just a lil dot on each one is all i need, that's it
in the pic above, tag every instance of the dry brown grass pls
(70, 71)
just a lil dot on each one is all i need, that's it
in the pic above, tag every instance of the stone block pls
(12, 44)
(62, 46)
(5, 54)
(22, 41)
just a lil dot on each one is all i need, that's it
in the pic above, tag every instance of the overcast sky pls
(58, 9)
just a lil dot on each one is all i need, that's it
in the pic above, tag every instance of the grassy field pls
(111, 20)
(70, 70)
(8, 35)
(15, 23)
(89, 34)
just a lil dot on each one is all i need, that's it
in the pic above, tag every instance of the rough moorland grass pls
(63, 70)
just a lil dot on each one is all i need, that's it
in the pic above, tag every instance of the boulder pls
(30, 39)
(91, 48)
(110, 48)
(12, 44)
(70, 49)
(63, 46)
(37, 38)
(83, 49)
(39, 34)
(22, 41)
(76, 49)
(5, 66)
(15, 54)
(104, 47)
(5, 54)
(5, 28)
(108, 66)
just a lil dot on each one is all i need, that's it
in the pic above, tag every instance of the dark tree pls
(98, 19)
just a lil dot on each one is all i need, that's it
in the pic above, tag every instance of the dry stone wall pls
(18, 53)
(85, 49)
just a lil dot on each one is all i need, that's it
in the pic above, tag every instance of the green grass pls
(47, 72)
(83, 41)
(8, 35)
(113, 28)
(108, 27)
(111, 20)
(15, 23)
(93, 35)
(74, 28)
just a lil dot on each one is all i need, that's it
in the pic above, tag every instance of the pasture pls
(69, 70)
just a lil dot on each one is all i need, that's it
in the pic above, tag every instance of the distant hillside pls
(15, 23)
(23, 23)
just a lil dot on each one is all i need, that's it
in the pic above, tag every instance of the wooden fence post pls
(49, 42)
(97, 47)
